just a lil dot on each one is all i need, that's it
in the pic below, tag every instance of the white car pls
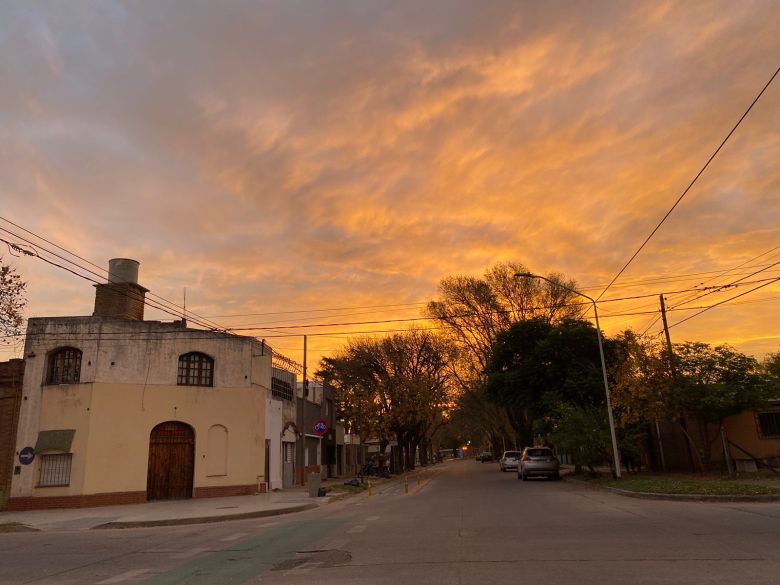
(509, 460)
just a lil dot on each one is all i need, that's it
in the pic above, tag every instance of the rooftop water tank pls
(123, 270)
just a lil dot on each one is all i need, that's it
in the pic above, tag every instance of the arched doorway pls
(171, 462)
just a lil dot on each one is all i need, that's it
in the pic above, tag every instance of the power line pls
(148, 302)
(318, 310)
(747, 292)
(691, 184)
(171, 305)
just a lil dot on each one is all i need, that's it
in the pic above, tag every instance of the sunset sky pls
(298, 156)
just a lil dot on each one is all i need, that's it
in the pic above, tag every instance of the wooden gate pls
(171, 462)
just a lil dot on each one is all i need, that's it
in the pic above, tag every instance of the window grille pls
(64, 366)
(195, 369)
(281, 389)
(769, 424)
(55, 470)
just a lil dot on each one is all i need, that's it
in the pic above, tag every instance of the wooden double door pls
(171, 462)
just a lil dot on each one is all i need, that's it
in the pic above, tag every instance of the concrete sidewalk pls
(167, 513)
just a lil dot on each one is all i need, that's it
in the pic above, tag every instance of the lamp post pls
(601, 353)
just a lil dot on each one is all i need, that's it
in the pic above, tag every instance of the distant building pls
(322, 448)
(119, 410)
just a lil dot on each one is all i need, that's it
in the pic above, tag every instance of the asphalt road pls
(470, 525)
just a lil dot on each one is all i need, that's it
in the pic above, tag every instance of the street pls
(470, 524)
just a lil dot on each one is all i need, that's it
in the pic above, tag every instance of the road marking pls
(233, 537)
(268, 524)
(372, 518)
(126, 576)
(189, 553)
(356, 529)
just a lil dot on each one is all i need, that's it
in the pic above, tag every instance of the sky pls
(280, 157)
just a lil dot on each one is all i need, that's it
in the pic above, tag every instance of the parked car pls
(485, 456)
(509, 460)
(538, 461)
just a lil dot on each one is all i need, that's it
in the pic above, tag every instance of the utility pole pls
(673, 374)
(305, 379)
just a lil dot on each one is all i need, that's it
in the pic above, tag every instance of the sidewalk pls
(167, 513)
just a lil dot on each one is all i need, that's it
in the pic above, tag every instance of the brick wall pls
(228, 490)
(124, 300)
(85, 501)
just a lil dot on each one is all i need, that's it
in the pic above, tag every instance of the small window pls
(769, 424)
(64, 366)
(281, 389)
(195, 369)
(55, 470)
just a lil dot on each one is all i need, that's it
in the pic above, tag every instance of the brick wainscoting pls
(224, 491)
(86, 501)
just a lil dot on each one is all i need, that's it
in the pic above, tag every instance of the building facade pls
(117, 410)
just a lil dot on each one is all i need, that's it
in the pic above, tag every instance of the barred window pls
(281, 389)
(64, 366)
(769, 424)
(195, 369)
(55, 470)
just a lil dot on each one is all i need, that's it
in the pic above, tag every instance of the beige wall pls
(128, 386)
(742, 430)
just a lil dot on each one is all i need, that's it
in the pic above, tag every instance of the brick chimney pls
(121, 297)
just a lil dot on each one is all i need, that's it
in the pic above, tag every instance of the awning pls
(59, 440)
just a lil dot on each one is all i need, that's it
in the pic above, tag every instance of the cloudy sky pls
(298, 156)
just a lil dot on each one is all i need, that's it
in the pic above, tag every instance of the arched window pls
(64, 366)
(195, 369)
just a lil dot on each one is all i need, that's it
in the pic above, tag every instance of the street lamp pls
(603, 363)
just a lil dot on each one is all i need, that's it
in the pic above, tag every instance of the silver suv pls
(538, 461)
(509, 460)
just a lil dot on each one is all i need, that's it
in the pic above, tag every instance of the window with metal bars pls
(195, 369)
(281, 389)
(55, 470)
(64, 366)
(769, 424)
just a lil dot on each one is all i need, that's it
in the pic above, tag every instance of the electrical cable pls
(691, 184)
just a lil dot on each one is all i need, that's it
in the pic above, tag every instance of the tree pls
(475, 310)
(709, 384)
(536, 367)
(398, 386)
(12, 301)
(771, 365)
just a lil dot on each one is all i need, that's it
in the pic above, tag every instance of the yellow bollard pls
(406, 484)
(370, 490)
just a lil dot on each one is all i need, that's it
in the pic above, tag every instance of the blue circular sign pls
(26, 456)
(321, 427)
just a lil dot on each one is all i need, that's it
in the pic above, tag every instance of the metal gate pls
(171, 462)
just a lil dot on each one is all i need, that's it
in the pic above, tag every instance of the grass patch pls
(692, 487)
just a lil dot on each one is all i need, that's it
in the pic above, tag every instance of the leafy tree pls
(536, 367)
(12, 301)
(710, 384)
(583, 432)
(398, 387)
(474, 311)
(771, 366)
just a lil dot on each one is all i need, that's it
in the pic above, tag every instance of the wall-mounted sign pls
(321, 427)
(26, 456)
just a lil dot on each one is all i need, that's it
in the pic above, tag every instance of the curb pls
(204, 519)
(678, 497)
